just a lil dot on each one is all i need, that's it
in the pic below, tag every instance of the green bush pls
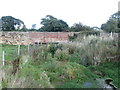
(39, 53)
(93, 49)
(108, 70)
(50, 66)
(62, 55)
(60, 46)
(65, 68)
(52, 49)
(72, 38)
(87, 33)
(71, 49)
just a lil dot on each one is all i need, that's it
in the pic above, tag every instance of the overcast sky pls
(89, 12)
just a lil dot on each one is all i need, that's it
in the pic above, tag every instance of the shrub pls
(77, 72)
(39, 53)
(52, 49)
(71, 49)
(50, 66)
(92, 32)
(71, 38)
(29, 76)
(109, 70)
(94, 50)
(45, 52)
(60, 46)
(62, 55)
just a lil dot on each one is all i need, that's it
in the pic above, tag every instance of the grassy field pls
(61, 66)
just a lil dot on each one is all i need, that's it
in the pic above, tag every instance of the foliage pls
(62, 55)
(52, 49)
(68, 67)
(71, 38)
(112, 24)
(71, 49)
(83, 34)
(36, 73)
(108, 72)
(0, 24)
(77, 27)
(10, 23)
(50, 66)
(29, 76)
(92, 32)
(92, 49)
(33, 26)
(10, 51)
(60, 46)
(115, 15)
(52, 24)
(76, 74)
(66, 72)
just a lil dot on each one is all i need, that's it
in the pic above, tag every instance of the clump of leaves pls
(71, 49)
(60, 46)
(62, 55)
(50, 66)
(106, 71)
(71, 38)
(52, 49)
(75, 75)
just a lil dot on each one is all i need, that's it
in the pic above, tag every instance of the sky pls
(89, 12)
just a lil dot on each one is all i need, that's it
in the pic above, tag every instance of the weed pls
(62, 55)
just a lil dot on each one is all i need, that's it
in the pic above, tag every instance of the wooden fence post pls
(18, 50)
(84, 37)
(3, 58)
(28, 50)
(111, 35)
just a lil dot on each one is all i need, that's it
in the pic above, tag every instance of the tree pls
(115, 16)
(52, 24)
(10, 23)
(112, 24)
(80, 27)
(33, 26)
(0, 24)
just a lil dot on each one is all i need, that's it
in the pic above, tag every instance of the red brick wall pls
(25, 38)
(49, 36)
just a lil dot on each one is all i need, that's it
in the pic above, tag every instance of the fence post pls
(111, 35)
(28, 50)
(3, 58)
(18, 50)
(84, 37)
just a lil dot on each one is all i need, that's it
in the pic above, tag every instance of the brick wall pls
(32, 37)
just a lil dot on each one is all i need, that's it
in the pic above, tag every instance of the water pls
(97, 83)
(88, 84)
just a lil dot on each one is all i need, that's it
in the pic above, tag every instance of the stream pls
(98, 83)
